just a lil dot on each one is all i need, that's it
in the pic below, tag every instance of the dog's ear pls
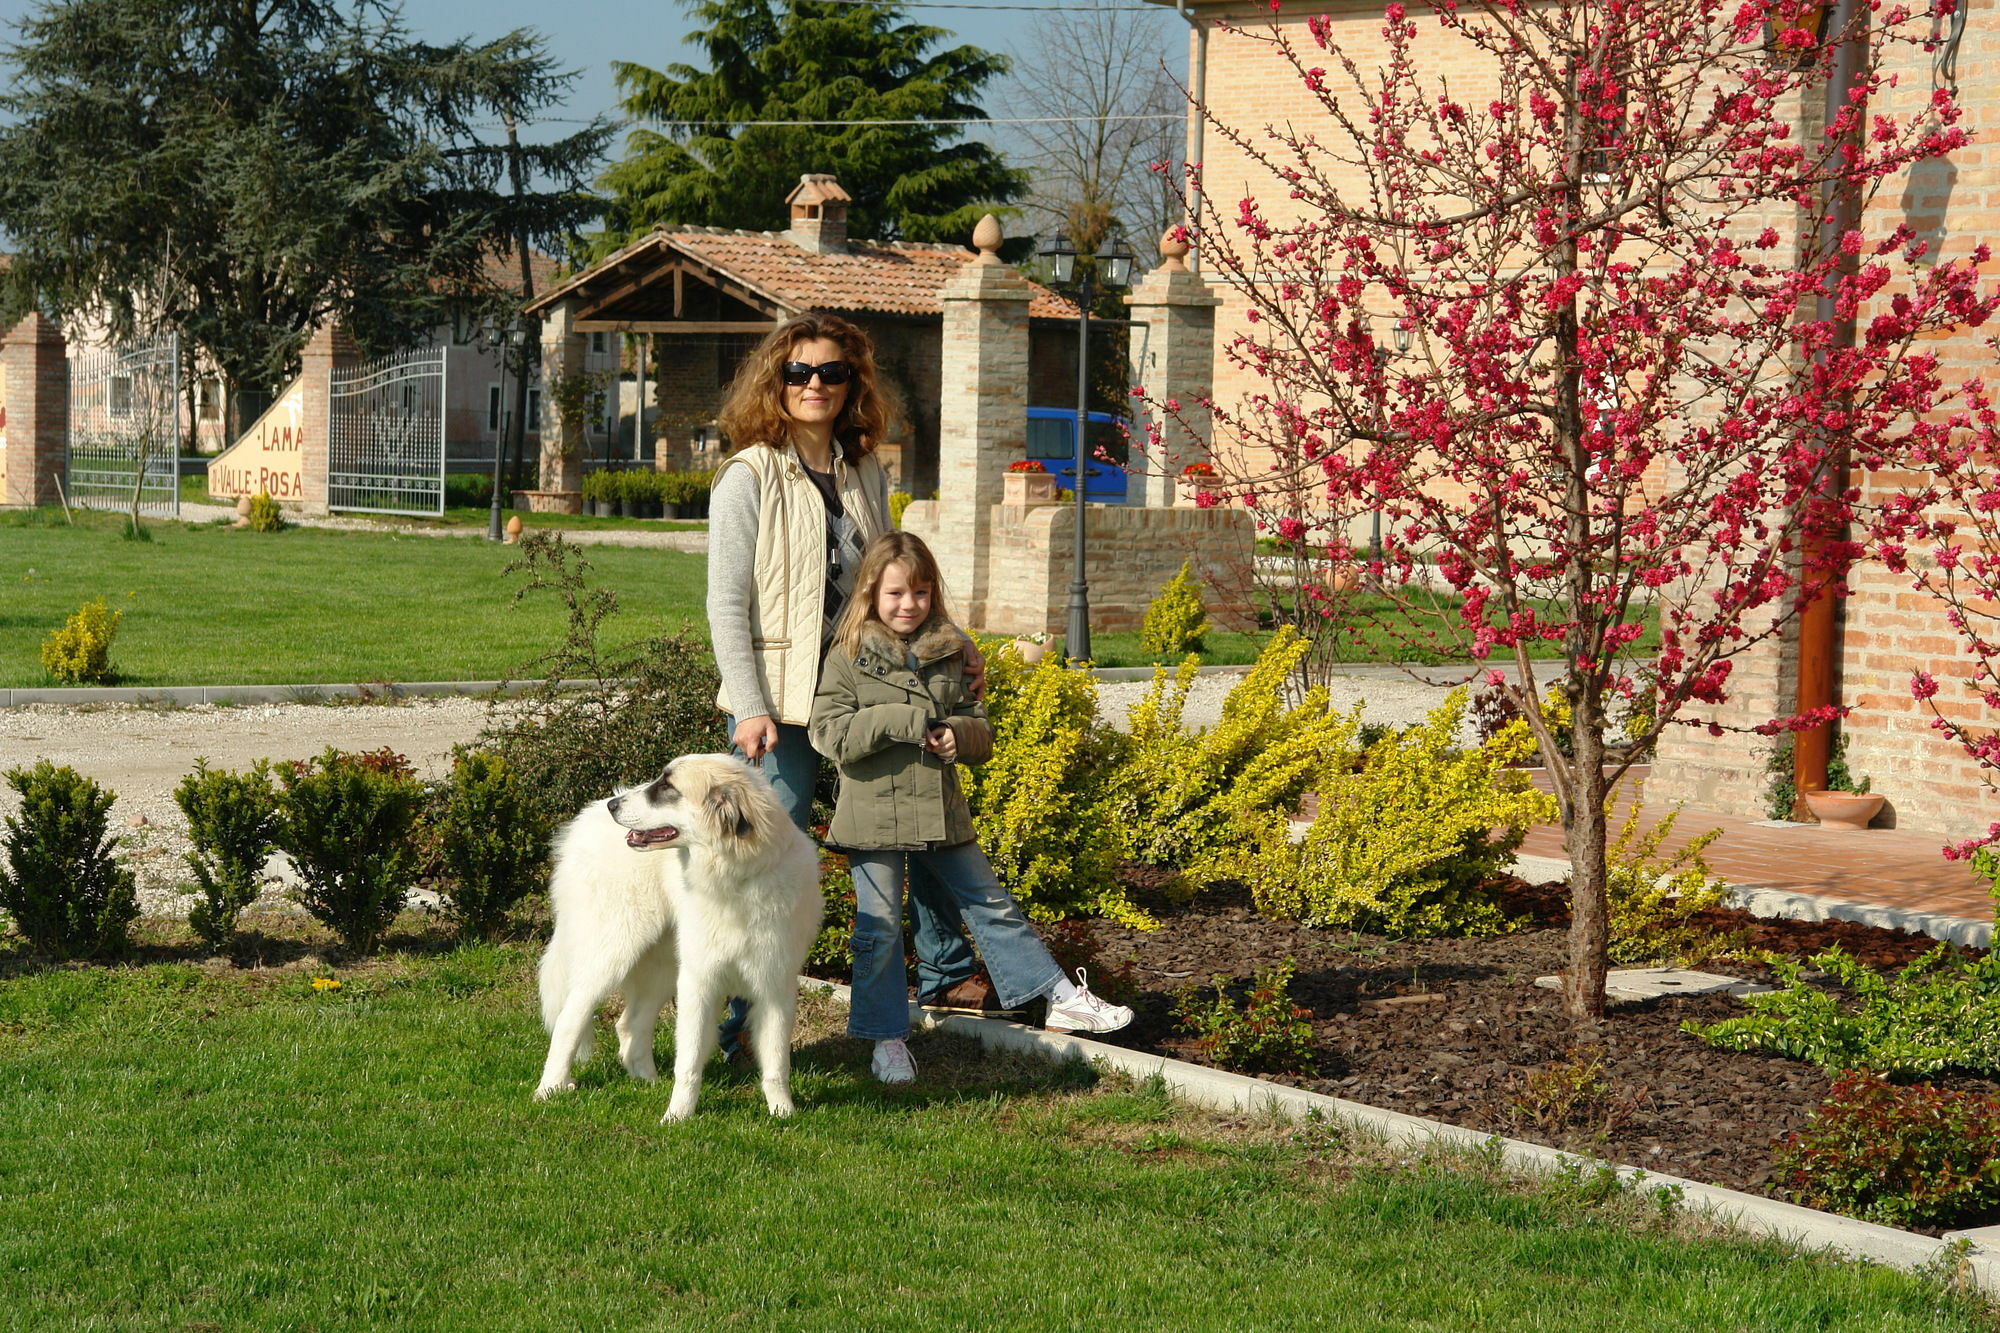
(728, 808)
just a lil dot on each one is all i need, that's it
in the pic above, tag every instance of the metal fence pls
(125, 427)
(385, 435)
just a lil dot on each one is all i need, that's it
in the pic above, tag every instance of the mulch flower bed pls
(1452, 1029)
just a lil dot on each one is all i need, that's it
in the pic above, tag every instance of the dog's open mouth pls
(642, 838)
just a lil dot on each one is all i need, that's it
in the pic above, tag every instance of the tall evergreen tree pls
(244, 172)
(693, 161)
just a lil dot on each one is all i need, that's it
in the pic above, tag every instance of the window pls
(597, 343)
(208, 393)
(120, 399)
(493, 411)
(500, 406)
(534, 421)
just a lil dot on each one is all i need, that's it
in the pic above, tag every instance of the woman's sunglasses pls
(798, 374)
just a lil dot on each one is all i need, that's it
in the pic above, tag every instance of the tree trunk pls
(1584, 839)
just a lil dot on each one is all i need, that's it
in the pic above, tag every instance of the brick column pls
(1173, 354)
(983, 414)
(34, 362)
(329, 347)
(563, 351)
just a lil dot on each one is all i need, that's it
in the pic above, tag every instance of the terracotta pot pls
(1028, 488)
(514, 530)
(1030, 651)
(1342, 577)
(1844, 809)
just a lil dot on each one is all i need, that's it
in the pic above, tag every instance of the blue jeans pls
(1020, 966)
(943, 957)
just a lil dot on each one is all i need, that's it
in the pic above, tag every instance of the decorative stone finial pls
(986, 238)
(1174, 251)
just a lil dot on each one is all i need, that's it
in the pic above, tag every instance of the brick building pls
(703, 296)
(1886, 631)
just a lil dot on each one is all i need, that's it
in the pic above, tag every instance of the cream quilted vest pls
(787, 616)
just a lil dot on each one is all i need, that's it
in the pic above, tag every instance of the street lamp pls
(517, 339)
(1114, 269)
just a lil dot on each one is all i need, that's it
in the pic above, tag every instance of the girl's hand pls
(943, 743)
(755, 736)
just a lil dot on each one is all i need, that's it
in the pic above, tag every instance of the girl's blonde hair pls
(891, 548)
(754, 410)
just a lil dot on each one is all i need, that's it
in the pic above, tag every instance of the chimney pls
(819, 215)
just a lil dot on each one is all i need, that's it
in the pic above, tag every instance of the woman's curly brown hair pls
(754, 410)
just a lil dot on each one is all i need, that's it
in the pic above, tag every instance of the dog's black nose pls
(612, 805)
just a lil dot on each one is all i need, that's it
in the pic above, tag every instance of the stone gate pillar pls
(1173, 356)
(34, 411)
(562, 441)
(328, 348)
(983, 414)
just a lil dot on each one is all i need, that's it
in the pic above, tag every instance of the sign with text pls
(269, 459)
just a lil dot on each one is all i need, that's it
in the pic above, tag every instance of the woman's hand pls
(755, 736)
(975, 670)
(942, 742)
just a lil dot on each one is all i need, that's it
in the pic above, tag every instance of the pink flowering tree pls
(1945, 533)
(1563, 342)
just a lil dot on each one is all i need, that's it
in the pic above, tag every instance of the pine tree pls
(796, 60)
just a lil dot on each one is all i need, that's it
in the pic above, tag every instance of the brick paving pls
(1882, 867)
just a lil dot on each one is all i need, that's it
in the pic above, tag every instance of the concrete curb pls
(1804, 1229)
(1787, 905)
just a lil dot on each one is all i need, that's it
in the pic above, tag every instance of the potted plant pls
(1846, 804)
(597, 494)
(1027, 483)
(1195, 478)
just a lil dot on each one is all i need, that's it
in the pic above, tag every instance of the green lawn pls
(213, 605)
(194, 490)
(191, 1148)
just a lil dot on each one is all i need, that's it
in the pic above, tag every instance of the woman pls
(789, 514)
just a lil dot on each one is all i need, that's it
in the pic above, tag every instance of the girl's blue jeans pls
(943, 957)
(1020, 966)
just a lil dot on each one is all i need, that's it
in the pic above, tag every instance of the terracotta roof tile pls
(893, 279)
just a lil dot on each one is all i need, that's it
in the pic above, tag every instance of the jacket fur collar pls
(936, 639)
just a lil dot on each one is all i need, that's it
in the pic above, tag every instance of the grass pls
(194, 490)
(199, 1147)
(213, 605)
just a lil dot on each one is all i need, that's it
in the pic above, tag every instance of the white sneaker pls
(1085, 1012)
(893, 1062)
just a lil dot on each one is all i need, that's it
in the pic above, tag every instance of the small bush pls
(1653, 901)
(346, 821)
(61, 884)
(833, 951)
(492, 848)
(1901, 1156)
(265, 516)
(1409, 840)
(601, 486)
(80, 652)
(645, 702)
(232, 819)
(1941, 1014)
(1266, 1034)
(898, 502)
(1175, 622)
(1572, 1094)
(1041, 805)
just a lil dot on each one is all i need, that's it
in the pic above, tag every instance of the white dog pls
(700, 872)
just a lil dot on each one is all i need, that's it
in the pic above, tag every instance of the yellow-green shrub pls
(1175, 622)
(265, 516)
(1653, 898)
(1407, 840)
(80, 652)
(898, 502)
(1185, 798)
(1041, 805)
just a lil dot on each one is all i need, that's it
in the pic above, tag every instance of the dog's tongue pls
(647, 837)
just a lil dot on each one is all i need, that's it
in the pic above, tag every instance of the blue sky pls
(594, 33)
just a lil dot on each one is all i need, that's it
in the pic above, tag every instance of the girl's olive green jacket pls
(870, 717)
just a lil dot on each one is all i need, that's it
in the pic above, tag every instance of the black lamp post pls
(517, 341)
(1114, 270)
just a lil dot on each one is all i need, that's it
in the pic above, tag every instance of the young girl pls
(894, 715)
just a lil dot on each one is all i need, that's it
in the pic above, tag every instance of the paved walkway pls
(1889, 868)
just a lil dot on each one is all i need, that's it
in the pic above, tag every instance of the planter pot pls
(1844, 809)
(1028, 488)
(628, 509)
(1030, 651)
(1342, 577)
(650, 508)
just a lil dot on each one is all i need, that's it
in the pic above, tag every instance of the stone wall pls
(1129, 553)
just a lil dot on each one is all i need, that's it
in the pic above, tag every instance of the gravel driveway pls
(141, 753)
